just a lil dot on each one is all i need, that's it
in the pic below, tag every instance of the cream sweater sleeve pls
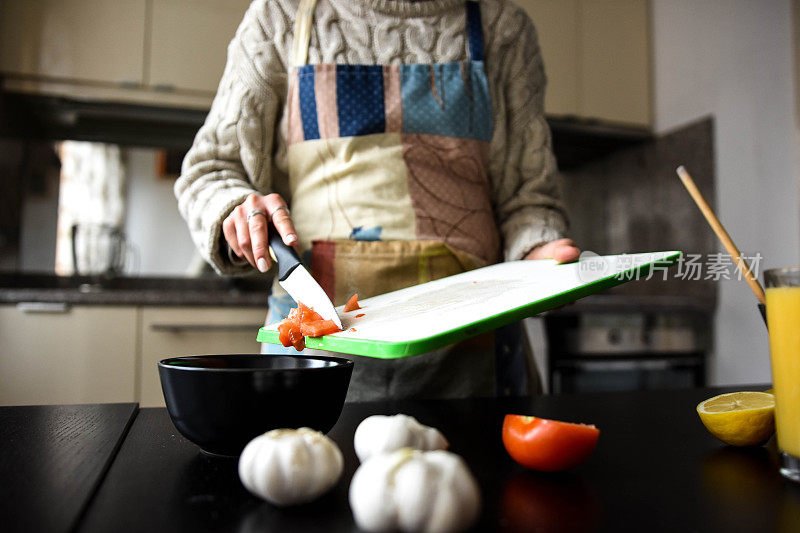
(525, 180)
(231, 156)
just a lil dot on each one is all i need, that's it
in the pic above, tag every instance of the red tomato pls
(301, 322)
(318, 328)
(352, 304)
(289, 334)
(547, 445)
(303, 313)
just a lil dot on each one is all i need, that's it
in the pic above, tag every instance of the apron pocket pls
(369, 268)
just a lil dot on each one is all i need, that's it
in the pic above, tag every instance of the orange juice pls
(783, 319)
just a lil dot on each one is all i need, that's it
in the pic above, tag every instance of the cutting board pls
(429, 316)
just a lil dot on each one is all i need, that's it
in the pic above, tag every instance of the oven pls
(596, 349)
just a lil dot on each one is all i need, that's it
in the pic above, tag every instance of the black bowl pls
(221, 402)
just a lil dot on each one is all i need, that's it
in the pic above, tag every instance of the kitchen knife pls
(295, 279)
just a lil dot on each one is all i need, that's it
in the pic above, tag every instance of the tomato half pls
(548, 445)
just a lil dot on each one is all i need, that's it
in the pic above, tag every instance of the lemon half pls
(739, 418)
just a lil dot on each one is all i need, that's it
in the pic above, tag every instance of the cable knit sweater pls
(241, 148)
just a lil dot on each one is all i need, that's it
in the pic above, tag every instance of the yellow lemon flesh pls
(739, 418)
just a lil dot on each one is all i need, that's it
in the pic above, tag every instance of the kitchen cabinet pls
(597, 56)
(173, 332)
(55, 353)
(189, 42)
(85, 41)
(158, 52)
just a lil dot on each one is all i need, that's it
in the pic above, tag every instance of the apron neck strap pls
(474, 30)
(302, 32)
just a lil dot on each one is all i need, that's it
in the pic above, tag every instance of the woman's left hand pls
(562, 250)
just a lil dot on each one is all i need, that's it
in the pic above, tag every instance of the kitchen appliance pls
(221, 402)
(593, 350)
(431, 315)
(98, 249)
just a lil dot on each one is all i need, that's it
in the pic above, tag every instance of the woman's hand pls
(247, 235)
(562, 250)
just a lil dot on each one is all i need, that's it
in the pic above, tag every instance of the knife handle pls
(285, 256)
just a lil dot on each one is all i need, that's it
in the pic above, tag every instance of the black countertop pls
(655, 469)
(52, 460)
(85, 290)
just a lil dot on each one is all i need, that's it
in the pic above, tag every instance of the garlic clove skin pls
(290, 466)
(382, 434)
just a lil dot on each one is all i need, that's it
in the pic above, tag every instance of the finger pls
(229, 231)
(259, 241)
(243, 237)
(281, 218)
(566, 253)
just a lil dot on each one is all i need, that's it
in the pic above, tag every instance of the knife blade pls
(296, 280)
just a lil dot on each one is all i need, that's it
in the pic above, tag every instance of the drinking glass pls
(783, 321)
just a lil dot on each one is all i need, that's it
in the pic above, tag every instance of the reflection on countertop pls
(88, 290)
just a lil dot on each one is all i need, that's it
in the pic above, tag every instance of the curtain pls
(91, 209)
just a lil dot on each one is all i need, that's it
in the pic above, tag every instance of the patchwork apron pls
(389, 188)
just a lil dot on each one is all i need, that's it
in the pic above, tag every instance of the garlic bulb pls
(380, 434)
(290, 466)
(411, 490)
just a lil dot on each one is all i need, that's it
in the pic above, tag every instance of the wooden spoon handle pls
(719, 229)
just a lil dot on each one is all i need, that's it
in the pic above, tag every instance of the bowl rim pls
(341, 362)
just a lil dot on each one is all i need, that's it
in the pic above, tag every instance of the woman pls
(409, 139)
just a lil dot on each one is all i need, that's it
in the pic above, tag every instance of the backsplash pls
(633, 201)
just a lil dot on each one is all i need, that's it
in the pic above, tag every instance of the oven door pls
(592, 375)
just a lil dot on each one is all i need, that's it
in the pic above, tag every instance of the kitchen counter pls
(655, 469)
(84, 290)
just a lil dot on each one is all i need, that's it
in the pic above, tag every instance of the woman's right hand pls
(249, 238)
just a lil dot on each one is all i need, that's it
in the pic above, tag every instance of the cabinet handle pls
(164, 87)
(129, 84)
(178, 328)
(43, 307)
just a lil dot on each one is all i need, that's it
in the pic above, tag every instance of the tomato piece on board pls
(352, 304)
(284, 330)
(303, 313)
(303, 321)
(548, 445)
(289, 334)
(318, 328)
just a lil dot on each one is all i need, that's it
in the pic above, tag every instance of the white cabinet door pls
(82, 40)
(615, 59)
(62, 355)
(597, 58)
(174, 332)
(189, 42)
(556, 23)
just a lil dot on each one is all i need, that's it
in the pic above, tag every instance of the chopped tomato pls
(289, 334)
(359, 315)
(318, 328)
(303, 313)
(303, 321)
(548, 445)
(352, 304)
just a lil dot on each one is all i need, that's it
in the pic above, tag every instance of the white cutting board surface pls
(434, 314)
